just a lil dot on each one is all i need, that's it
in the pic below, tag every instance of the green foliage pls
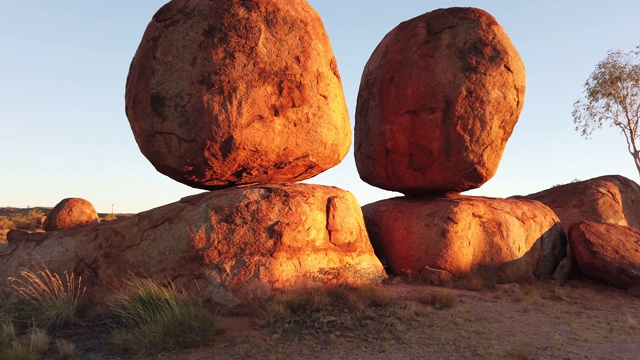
(46, 298)
(612, 96)
(156, 319)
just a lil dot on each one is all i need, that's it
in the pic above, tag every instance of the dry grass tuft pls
(48, 298)
(31, 346)
(522, 350)
(375, 295)
(66, 349)
(632, 324)
(473, 282)
(438, 300)
(156, 319)
(528, 296)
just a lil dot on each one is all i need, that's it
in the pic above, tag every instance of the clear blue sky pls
(63, 66)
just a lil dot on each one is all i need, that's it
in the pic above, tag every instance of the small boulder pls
(223, 93)
(608, 253)
(438, 100)
(500, 240)
(70, 213)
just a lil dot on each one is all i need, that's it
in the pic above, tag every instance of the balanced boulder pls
(608, 253)
(500, 240)
(233, 244)
(222, 93)
(438, 100)
(70, 213)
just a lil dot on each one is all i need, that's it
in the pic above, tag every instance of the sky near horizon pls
(64, 63)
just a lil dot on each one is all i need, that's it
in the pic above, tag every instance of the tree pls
(612, 96)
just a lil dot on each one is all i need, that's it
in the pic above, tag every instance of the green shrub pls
(156, 319)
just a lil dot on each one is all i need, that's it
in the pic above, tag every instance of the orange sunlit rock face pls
(608, 253)
(223, 93)
(70, 213)
(438, 100)
(228, 245)
(503, 240)
(611, 199)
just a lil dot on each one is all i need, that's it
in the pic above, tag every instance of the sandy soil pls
(543, 321)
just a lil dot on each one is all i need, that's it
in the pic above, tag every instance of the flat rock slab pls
(229, 245)
(501, 240)
(438, 100)
(607, 253)
(223, 93)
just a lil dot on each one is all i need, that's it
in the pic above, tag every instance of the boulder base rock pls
(608, 253)
(438, 100)
(223, 93)
(501, 240)
(70, 213)
(612, 199)
(233, 244)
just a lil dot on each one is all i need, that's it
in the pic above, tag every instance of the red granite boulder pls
(612, 199)
(221, 93)
(225, 246)
(438, 100)
(70, 213)
(608, 253)
(501, 240)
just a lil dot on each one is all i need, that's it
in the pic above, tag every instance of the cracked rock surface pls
(438, 100)
(222, 93)
(225, 246)
(500, 240)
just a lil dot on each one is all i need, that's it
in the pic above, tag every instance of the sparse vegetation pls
(30, 346)
(66, 349)
(47, 298)
(155, 318)
(438, 300)
(23, 219)
(369, 313)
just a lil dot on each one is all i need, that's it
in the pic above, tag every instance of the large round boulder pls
(499, 240)
(221, 93)
(70, 213)
(438, 100)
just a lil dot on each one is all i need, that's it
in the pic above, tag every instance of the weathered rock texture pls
(227, 92)
(501, 240)
(70, 213)
(607, 252)
(610, 199)
(438, 100)
(237, 243)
